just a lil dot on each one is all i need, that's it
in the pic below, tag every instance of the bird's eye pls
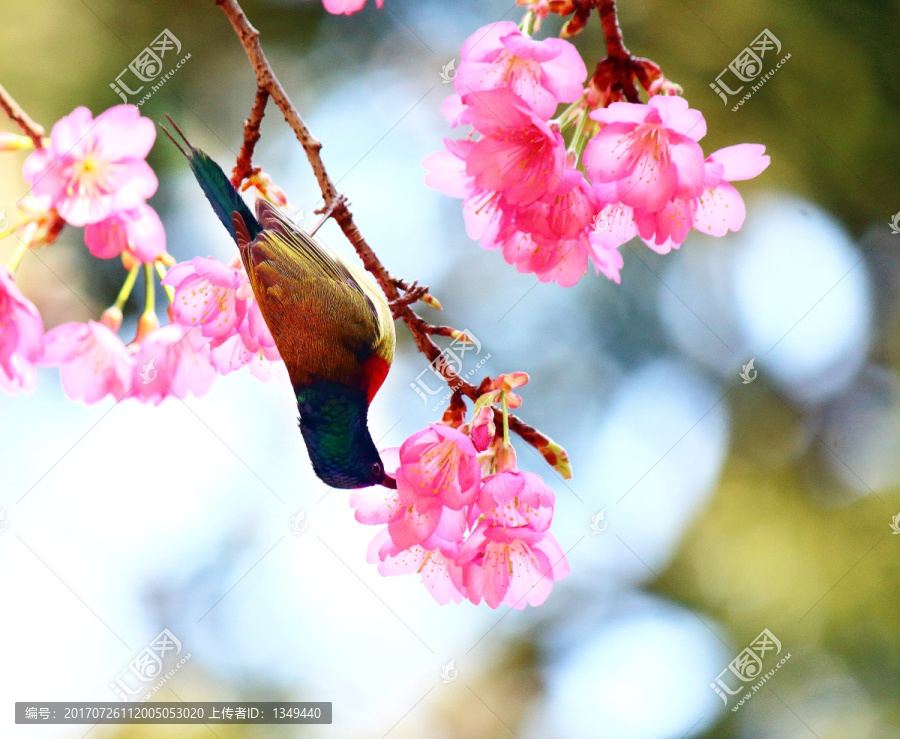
(377, 469)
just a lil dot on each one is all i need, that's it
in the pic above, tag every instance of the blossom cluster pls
(92, 172)
(629, 169)
(463, 516)
(217, 298)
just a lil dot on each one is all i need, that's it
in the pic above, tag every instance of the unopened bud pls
(112, 318)
(14, 142)
(129, 261)
(147, 324)
(460, 336)
(504, 457)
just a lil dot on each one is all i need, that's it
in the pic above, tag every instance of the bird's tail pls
(218, 189)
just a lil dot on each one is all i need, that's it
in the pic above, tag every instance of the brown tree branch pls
(31, 129)
(421, 331)
(614, 79)
(243, 168)
(615, 44)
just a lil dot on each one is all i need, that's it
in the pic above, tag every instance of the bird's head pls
(361, 468)
(333, 421)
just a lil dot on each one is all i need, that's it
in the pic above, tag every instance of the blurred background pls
(703, 509)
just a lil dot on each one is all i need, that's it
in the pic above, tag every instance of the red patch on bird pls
(374, 371)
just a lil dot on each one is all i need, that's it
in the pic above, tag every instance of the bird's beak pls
(389, 482)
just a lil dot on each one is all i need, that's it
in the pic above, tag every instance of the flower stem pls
(161, 271)
(505, 420)
(578, 137)
(150, 297)
(126, 287)
(17, 258)
(527, 24)
(565, 118)
(615, 45)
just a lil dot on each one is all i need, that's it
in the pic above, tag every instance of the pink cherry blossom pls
(606, 259)
(206, 295)
(436, 567)
(438, 467)
(447, 169)
(172, 360)
(516, 566)
(233, 354)
(562, 214)
(21, 336)
(519, 154)
(218, 298)
(650, 151)
(137, 231)
(547, 236)
(560, 261)
(346, 7)
(666, 228)
(95, 167)
(720, 208)
(515, 498)
(453, 110)
(93, 362)
(542, 73)
(552, 238)
(437, 477)
(252, 345)
(716, 210)
(511, 557)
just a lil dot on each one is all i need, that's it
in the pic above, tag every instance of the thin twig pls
(31, 129)
(243, 168)
(615, 44)
(421, 331)
(615, 76)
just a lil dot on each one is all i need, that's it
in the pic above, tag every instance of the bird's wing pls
(329, 321)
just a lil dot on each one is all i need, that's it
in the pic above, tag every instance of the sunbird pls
(331, 324)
